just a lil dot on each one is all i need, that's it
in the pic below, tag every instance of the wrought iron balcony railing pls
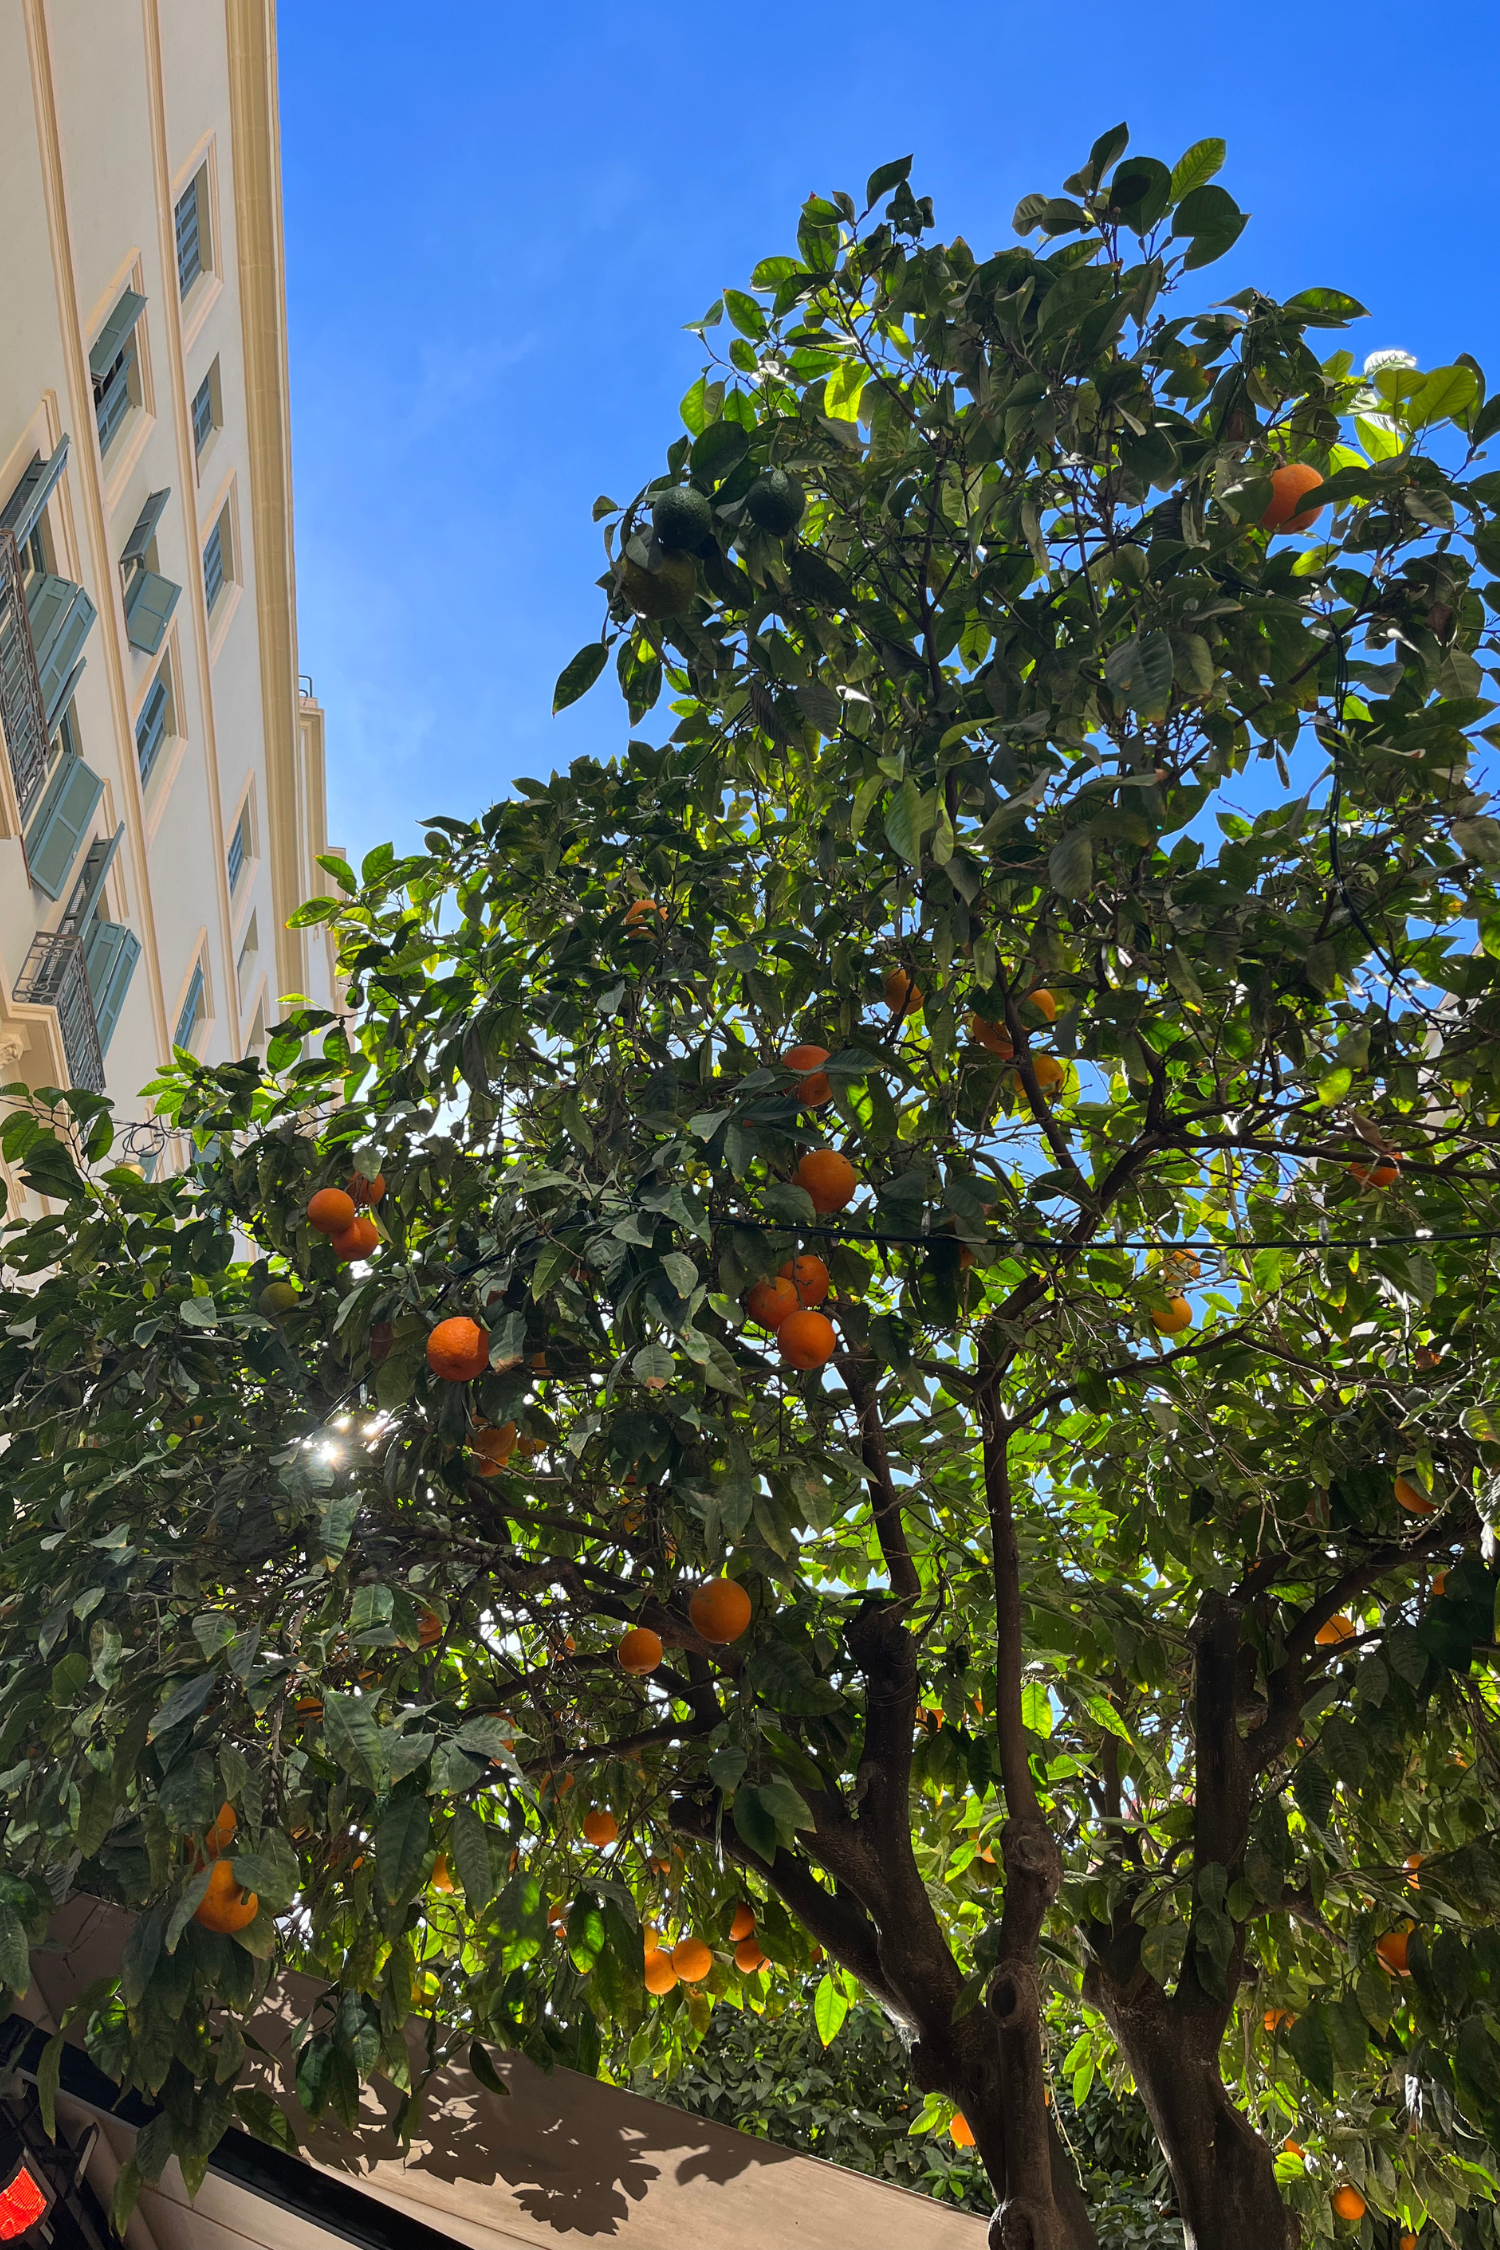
(55, 974)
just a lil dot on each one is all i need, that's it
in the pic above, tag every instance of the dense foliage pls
(1097, 1693)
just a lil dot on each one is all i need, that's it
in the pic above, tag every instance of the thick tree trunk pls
(1224, 2173)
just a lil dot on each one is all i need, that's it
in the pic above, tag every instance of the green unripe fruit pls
(776, 502)
(277, 1297)
(681, 518)
(659, 593)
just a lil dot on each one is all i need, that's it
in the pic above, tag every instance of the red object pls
(23, 2200)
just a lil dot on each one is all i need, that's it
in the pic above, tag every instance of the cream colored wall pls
(107, 109)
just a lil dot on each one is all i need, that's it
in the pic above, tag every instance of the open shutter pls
(31, 495)
(65, 811)
(88, 891)
(113, 336)
(62, 617)
(149, 602)
(113, 952)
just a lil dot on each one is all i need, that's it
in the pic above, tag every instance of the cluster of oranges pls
(788, 1305)
(1050, 1072)
(343, 1214)
(224, 1906)
(691, 1959)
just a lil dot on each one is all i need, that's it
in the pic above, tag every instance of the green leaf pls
(48, 2072)
(1196, 167)
(745, 314)
(1312, 2050)
(841, 393)
(1036, 1709)
(1326, 308)
(1140, 670)
(355, 1741)
(486, 1736)
(1070, 864)
(485, 2071)
(185, 1702)
(1445, 394)
(401, 1841)
(830, 2008)
(881, 181)
(579, 674)
(186, 1906)
(271, 1870)
(1214, 221)
(721, 448)
(1141, 191)
(904, 822)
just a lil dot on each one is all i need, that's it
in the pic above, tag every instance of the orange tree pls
(921, 1321)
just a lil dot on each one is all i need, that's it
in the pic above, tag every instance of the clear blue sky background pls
(498, 219)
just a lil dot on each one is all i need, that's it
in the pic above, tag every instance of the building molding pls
(187, 473)
(90, 482)
(256, 159)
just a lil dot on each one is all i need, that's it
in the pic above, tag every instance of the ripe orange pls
(748, 1957)
(1276, 2017)
(600, 1828)
(1392, 1949)
(1411, 1863)
(1290, 485)
(1293, 2148)
(829, 1178)
(1177, 1315)
(639, 1652)
(357, 1240)
(960, 2131)
(309, 1706)
(1348, 2203)
(331, 1211)
(1050, 1073)
(1407, 2242)
(224, 1906)
(640, 913)
(442, 1879)
(429, 1627)
(660, 1974)
(769, 1302)
(493, 1446)
(458, 1350)
(815, 1090)
(808, 1276)
(364, 1193)
(692, 1959)
(1340, 1628)
(806, 1340)
(1413, 1499)
(993, 1036)
(1044, 1002)
(1440, 1585)
(743, 1925)
(1382, 1172)
(720, 1610)
(1181, 1265)
(221, 1834)
(902, 996)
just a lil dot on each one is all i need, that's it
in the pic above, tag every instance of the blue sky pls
(498, 219)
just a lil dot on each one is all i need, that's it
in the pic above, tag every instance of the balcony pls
(55, 975)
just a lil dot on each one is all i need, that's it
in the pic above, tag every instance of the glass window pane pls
(151, 726)
(213, 564)
(203, 413)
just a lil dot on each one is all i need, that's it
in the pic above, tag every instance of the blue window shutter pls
(24, 507)
(112, 401)
(64, 813)
(115, 334)
(62, 617)
(134, 549)
(149, 602)
(191, 1009)
(203, 414)
(189, 238)
(213, 564)
(151, 726)
(112, 955)
(88, 891)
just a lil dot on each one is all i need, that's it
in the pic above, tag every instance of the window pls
(239, 844)
(156, 724)
(194, 1009)
(192, 232)
(203, 414)
(249, 956)
(115, 366)
(216, 561)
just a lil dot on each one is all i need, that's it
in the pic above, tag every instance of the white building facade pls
(162, 797)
